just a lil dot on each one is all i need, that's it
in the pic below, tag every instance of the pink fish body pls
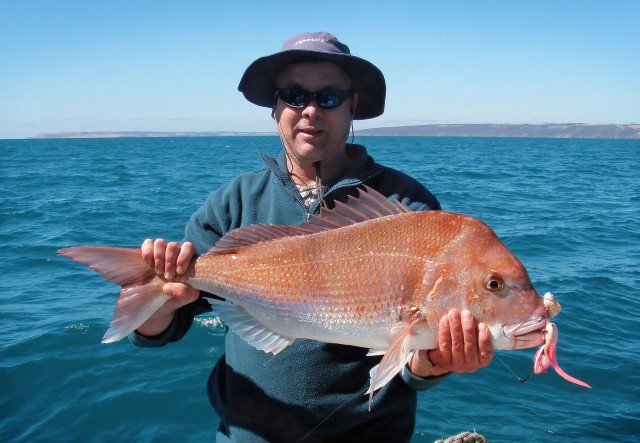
(369, 273)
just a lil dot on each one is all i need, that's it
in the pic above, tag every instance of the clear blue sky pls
(123, 65)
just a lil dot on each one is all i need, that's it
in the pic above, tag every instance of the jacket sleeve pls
(421, 383)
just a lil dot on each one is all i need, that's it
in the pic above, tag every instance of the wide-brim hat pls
(258, 82)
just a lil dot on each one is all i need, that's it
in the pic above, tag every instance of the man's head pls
(314, 106)
(258, 84)
(315, 88)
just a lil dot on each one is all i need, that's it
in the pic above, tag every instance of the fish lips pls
(526, 334)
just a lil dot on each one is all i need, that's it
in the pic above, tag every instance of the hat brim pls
(258, 82)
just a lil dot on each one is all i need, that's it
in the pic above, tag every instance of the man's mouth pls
(310, 131)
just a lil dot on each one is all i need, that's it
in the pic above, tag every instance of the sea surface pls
(568, 208)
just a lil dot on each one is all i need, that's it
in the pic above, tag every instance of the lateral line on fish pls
(315, 261)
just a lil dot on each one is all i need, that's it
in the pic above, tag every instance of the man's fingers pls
(170, 257)
(471, 357)
(457, 341)
(484, 344)
(444, 343)
(167, 259)
(147, 252)
(159, 248)
(186, 254)
(462, 346)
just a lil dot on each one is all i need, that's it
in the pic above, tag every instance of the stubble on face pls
(311, 134)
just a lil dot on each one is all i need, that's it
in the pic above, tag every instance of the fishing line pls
(268, 361)
(521, 380)
(320, 424)
(353, 113)
(353, 133)
(319, 189)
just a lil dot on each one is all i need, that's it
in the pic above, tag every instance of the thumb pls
(435, 357)
(181, 293)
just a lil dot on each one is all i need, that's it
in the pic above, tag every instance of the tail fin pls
(141, 293)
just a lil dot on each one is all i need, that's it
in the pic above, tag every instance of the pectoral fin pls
(395, 358)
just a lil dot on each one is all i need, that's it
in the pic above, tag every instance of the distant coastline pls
(564, 130)
(138, 134)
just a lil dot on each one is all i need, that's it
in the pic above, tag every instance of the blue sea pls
(568, 208)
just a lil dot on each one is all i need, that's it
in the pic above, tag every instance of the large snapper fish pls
(369, 273)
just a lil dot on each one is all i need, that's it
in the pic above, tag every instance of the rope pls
(464, 437)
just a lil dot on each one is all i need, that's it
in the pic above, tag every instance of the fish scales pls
(357, 276)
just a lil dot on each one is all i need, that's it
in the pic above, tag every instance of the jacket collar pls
(361, 170)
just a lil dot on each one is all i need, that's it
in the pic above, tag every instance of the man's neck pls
(308, 174)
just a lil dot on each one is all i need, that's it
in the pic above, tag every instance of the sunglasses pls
(327, 98)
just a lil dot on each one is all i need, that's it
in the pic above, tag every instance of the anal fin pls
(250, 330)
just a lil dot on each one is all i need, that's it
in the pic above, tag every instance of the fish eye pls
(493, 282)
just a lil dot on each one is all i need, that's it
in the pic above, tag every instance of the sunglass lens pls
(298, 98)
(294, 97)
(330, 98)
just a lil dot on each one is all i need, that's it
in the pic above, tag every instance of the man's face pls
(312, 133)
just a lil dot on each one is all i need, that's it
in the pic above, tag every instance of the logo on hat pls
(299, 42)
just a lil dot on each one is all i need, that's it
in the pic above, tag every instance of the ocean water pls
(570, 210)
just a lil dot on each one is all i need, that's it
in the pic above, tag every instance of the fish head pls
(498, 290)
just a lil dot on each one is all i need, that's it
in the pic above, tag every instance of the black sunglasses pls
(327, 98)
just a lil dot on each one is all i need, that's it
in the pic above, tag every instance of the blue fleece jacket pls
(311, 387)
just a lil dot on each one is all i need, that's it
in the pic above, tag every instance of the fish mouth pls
(526, 334)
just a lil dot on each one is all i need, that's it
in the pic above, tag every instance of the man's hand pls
(168, 260)
(462, 347)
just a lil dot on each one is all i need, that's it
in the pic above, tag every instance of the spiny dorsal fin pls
(369, 205)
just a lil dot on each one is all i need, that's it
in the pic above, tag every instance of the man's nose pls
(311, 109)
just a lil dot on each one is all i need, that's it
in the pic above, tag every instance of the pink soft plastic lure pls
(546, 356)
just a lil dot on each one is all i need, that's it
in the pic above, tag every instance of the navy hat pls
(258, 82)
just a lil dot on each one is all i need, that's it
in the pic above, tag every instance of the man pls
(312, 390)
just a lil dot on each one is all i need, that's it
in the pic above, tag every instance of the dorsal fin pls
(369, 205)
(254, 234)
